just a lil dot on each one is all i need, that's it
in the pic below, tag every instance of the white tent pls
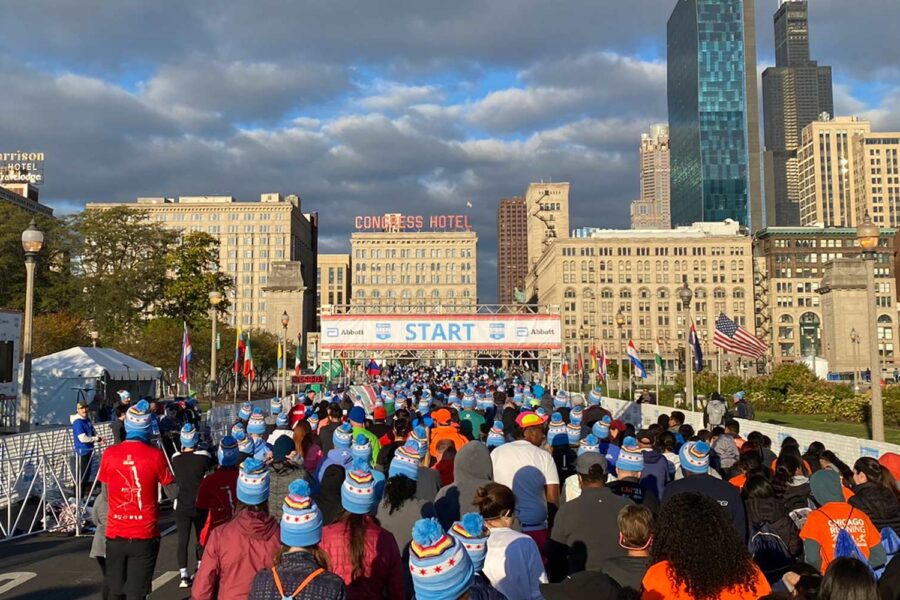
(57, 379)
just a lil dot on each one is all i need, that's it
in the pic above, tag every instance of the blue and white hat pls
(468, 400)
(313, 420)
(244, 444)
(358, 490)
(301, 521)
(237, 427)
(420, 435)
(573, 432)
(601, 427)
(342, 436)
(595, 395)
(275, 406)
(556, 434)
(472, 532)
(189, 436)
(575, 415)
(257, 424)
(406, 461)
(245, 411)
(227, 452)
(485, 403)
(282, 420)
(630, 456)
(424, 405)
(137, 421)
(694, 457)
(590, 443)
(561, 399)
(253, 482)
(495, 436)
(361, 448)
(438, 562)
(518, 398)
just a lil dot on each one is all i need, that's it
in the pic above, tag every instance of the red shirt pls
(218, 495)
(133, 472)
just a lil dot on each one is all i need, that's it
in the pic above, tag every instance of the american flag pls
(187, 353)
(735, 339)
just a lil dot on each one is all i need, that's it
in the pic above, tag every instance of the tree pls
(193, 272)
(57, 331)
(122, 263)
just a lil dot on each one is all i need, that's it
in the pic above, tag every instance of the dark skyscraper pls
(512, 248)
(795, 91)
(713, 112)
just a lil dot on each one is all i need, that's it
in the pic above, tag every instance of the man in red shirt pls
(132, 473)
(216, 498)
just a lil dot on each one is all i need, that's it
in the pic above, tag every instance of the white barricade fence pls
(846, 447)
(220, 418)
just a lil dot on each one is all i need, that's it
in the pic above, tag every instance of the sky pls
(373, 107)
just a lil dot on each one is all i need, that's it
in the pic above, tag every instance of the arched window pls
(643, 293)
(700, 293)
(719, 293)
(435, 293)
(606, 293)
(391, 294)
(420, 293)
(785, 319)
(360, 293)
(451, 293)
(406, 294)
(376, 294)
(624, 293)
(662, 294)
(587, 293)
(738, 294)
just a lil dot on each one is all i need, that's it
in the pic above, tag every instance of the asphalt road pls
(53, 567)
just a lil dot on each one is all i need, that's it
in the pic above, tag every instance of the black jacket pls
(722, 492)
(636, 490)
(189, 468)
(879, 504)
(294, 568)
(773, 512)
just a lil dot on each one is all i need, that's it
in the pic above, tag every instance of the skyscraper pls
(512, 248)
(795, 92)
(652, 211)
(713, 112)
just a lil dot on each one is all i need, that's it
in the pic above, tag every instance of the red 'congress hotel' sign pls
(398, 222)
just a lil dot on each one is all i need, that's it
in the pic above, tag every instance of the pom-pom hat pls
(406, 461)
(342, 436)
(556, 432)
(275, 406)
(361, 448)
(589, 444)
(189, 436)
(439, 564)
(256, 425)
(630, 456)
(137, 421)
(227, 452)
(495, 436)
(601, 427)
(358, 489)
(694, 457)
(471, 531)
(301, 521)
(253, 482)
(245, 411)
(573, 432)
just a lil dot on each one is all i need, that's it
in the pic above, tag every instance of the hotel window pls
(249, 216)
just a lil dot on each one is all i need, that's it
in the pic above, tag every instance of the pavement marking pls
(15, 580)
(163, 580)
(169, 530)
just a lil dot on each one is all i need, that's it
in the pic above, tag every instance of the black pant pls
(184, 523)
(129, 566)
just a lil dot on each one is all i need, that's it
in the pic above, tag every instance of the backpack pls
(768, 550)
(891, 543)
(844, 544)
(715, 413)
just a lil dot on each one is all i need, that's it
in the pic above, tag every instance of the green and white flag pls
(660, 365)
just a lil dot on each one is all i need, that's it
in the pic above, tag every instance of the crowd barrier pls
(847, 447)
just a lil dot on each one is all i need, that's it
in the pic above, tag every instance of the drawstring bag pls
(300, 587)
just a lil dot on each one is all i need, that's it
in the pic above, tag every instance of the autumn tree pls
(192, 273)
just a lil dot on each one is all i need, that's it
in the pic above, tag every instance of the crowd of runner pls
(478, 484)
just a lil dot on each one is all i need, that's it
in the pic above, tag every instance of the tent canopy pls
(87, 362)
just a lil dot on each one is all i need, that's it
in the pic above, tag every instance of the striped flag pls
(297, 360)
(658, 359)
(279, 355)
(601, 365)
(593, 358)
(249, 367)
(636, 363)
(187, 353)
(732, 338)
(565, 366)
(694, 341)
(238, 350)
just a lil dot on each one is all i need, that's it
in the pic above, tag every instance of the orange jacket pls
(446, 432)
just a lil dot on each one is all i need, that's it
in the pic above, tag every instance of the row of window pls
(413, 253)
(654, 251)
(434, 279)
(408, 267)
(407, 294)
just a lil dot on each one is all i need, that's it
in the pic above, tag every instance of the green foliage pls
(192, 274)
(57, 331)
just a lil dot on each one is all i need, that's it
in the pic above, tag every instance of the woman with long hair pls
(875, 493)
(307, 451)
(362, 553)
(792, 487)
(301, 568)
(683, 565)
(848, 579)
(399, 508)
(830, 460)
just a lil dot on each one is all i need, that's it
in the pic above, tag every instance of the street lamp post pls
(854, 339)
(32, 242)
(868, 235)
(214, 299)
(620, 321)
(686, 295)
(285, 319)
(94, 337)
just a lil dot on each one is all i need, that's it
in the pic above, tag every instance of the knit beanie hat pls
(313, 421)
(468, 400)
(575, 415)
(137, 421)
(282, 419)
(358, 489)
(439, 564)
(283, 446)
(244, 444)
(630, 456)
(257, 424)
(275, 406)
(245, 411)
(556, 434)
(471, 531)
(825, 486)
(694, 457)
(518, 398)
(342, 436)
(227, 452)
(573, 431)
(420, 435)
(357, 414)
(485, 403)
(424, 405)
(361, 448)
(589, 444)
(406, 461)
(189, 436)
(301, 521)
(594, 396)
(253, 482)
(560, 400)
(237, 427)
(601, 427)
(495, 436)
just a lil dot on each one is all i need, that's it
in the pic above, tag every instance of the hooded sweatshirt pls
(772, 511)
(328, 499)
(336, 456)
(471, 470)
(234, 554)
(655, 473)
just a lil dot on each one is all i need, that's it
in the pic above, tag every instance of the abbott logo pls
(331, 332)
(521, 332)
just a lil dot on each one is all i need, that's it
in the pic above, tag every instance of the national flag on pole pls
(238, 350)
(297, 360)
(565, 366)
(187, 353)
(580, 363)
(593, 358)
(249, 368)
(694, 340)
(603, 362)
(280, 355)
(731, 337)
(636, 363)
(658, 359)
(373, 369)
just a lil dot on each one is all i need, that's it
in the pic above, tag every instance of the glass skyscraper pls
(713, 115)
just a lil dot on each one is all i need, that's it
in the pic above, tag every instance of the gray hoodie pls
(472, 469)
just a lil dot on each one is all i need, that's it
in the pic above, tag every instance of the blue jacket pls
(83, 426)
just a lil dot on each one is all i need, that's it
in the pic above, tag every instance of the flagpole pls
(719, 368)
(656, 369)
